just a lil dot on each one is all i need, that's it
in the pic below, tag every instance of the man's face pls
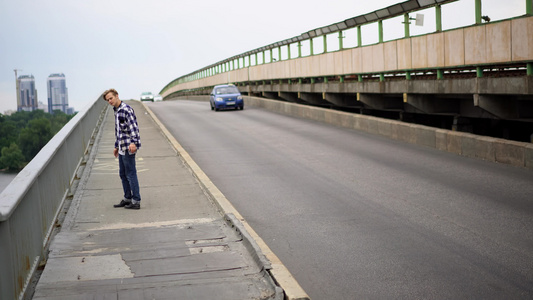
(112, 99)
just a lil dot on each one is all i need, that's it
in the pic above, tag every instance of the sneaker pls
(133, 206)
(122, 203)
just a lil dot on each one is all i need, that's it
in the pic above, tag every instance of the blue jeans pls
(128, 175)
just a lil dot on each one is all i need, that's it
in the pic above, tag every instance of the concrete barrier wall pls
(31, 203)
(517, 154)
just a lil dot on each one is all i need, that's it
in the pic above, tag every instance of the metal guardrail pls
(30, 205)
(378, 16)
(246, 60)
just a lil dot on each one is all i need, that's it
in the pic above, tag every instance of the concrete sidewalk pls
(177, 246)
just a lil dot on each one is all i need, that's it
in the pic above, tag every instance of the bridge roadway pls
(464, 233)
(358, 216)
(178, 246)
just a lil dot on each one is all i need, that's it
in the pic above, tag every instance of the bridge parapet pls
(31, 204)
(499, 45)
(476, 79)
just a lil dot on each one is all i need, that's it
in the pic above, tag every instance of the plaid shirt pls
(126, 128)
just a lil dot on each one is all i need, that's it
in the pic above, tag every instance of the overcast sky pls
(136, 46)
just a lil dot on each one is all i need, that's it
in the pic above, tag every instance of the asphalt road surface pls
(358, 216)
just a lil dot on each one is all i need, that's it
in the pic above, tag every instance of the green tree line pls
(23, 134)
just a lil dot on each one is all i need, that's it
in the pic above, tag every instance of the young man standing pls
(127, 142)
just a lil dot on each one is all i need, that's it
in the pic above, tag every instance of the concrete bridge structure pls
(465, 78)
(483, 71)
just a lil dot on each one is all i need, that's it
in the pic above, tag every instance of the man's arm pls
(134, 131)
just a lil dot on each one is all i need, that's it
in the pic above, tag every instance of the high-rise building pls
(57, 93)
(28, 93)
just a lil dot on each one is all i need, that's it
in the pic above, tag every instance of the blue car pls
(226, 96)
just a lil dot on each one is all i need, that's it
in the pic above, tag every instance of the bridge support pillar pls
(381, 102)
(313, 98)
(504, 108)
(430, 105)
(271, 95)
(346, 100)
(291, 97)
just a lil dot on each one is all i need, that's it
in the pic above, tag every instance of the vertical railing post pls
(438, 18)
(478, 11)
(380, 31)
(325, 38)
(406, 25)
(359, 37)
(440, 74)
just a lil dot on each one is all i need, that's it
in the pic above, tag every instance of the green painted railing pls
(251, 58)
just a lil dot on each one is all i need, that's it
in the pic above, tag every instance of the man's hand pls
(115, 152)
(132, 148)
